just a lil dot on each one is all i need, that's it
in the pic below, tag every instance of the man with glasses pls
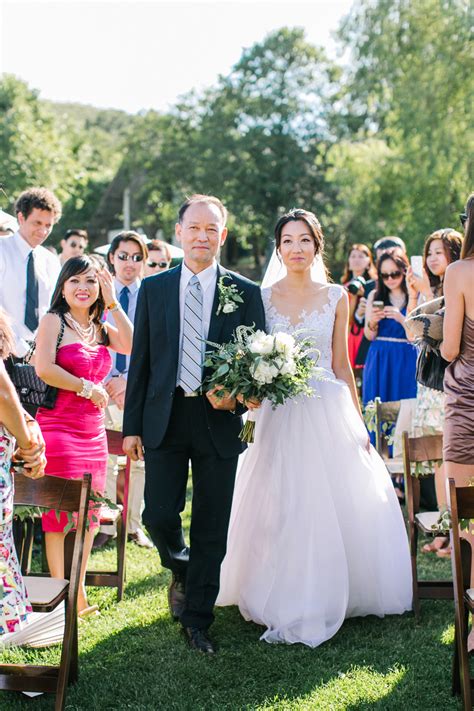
(73, 244)
(126, 257)
(159, 257)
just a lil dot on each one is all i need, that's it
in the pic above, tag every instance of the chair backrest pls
(50, 491)
(114, 443)
(461, 506)
(418, 449)
(385, 412)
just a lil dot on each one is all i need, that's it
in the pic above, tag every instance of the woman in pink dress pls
(72, 355)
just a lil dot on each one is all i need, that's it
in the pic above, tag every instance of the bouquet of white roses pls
(258, 366)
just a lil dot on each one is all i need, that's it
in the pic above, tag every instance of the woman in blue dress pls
(390, 367)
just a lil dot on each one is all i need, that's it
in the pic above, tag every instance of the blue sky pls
(143, 54)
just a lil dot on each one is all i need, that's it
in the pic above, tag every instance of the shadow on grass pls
(370, 664)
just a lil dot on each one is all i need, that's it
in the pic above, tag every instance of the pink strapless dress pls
(74, 430)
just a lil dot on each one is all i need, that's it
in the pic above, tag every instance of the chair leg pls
(465, 676)
(456, 672)
(74, 668)
(121, 555)
(414, 571)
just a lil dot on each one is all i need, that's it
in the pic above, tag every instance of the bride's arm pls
(340, 355)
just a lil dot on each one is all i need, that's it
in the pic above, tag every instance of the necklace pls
(398, 301)
(85, 334)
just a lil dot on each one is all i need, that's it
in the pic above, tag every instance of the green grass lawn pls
(134, 657)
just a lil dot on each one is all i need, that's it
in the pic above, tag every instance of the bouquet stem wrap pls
(247, 433)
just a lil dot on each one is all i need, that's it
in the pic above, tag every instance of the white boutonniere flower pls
(229, 297)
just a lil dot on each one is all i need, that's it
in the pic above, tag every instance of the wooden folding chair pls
(461, 506)
(422, 449)
(45, 593)
(116, 578)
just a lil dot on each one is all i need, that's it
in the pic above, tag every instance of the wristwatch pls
(114, 306)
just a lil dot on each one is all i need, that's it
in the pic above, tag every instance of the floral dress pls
(14, 605)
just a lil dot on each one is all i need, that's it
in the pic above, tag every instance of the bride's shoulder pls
(334, 292)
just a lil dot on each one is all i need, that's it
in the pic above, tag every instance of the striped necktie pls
(121, 360)
(190, 376)
(32, 295)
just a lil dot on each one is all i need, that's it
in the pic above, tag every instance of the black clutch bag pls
(430, 368)
(30, 388)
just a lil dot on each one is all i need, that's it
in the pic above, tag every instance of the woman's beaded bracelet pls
(87, 386)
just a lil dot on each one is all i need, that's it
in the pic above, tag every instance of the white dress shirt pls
(207, 279)
(14, 253)
(132, 305)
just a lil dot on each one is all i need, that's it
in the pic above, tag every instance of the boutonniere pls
(229, 297)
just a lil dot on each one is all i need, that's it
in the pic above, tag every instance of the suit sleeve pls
(139, 369)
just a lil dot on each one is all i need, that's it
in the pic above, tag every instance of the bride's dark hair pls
(311, 220)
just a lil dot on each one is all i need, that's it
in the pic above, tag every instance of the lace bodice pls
(317, 324)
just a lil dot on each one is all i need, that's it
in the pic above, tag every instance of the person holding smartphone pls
(390, 367)
(425, 280)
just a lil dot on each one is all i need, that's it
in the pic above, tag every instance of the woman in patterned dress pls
(17, 425)
(442, 247)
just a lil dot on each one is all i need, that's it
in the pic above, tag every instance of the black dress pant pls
(187, 439)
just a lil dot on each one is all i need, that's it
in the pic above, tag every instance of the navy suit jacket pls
(152, 376)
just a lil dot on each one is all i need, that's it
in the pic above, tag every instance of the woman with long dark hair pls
(299, 559)
(442, 248)
(390, 367)
(72, 355)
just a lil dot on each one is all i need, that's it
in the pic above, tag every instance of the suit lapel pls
(217, 321)
(171, 298)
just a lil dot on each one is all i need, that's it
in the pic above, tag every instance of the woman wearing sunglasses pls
(159, 257)
(390, 367)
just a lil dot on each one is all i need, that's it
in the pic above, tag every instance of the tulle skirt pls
(316, 532)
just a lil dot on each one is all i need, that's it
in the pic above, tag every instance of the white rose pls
(289, 367)
(229, 308)
(264, 372)
(261, 343)
(284, 343)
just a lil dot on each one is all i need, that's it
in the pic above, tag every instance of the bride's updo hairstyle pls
(313, 225)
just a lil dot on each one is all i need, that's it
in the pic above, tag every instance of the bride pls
(316, 533)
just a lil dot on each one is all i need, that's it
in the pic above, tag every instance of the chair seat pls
(394, 466)
(427, 521)
(469, 598)
(108, 515)
(45, 592)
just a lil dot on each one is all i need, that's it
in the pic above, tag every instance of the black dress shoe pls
(102, 539)
(176, 596)
(199, 640)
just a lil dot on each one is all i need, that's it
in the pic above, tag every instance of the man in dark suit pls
(170, 420)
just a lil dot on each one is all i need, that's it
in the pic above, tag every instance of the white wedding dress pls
(316, 533)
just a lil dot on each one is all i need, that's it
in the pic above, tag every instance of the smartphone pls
(417, 265)
(378, 305)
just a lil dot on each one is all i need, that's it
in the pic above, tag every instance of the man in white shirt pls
(28, 271)
(126, 256)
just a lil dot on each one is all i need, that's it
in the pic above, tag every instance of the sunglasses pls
(124, 257)
(463, 218)
(152, 265)
(390, 275)
(75, 244)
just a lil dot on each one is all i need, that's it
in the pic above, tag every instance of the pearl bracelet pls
(87, 386)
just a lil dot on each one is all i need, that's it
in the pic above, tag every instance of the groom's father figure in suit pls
(171, 421)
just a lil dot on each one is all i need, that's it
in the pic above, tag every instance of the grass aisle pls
(134, 657)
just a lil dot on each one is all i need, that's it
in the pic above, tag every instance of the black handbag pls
(30, 388)
(430, 367)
